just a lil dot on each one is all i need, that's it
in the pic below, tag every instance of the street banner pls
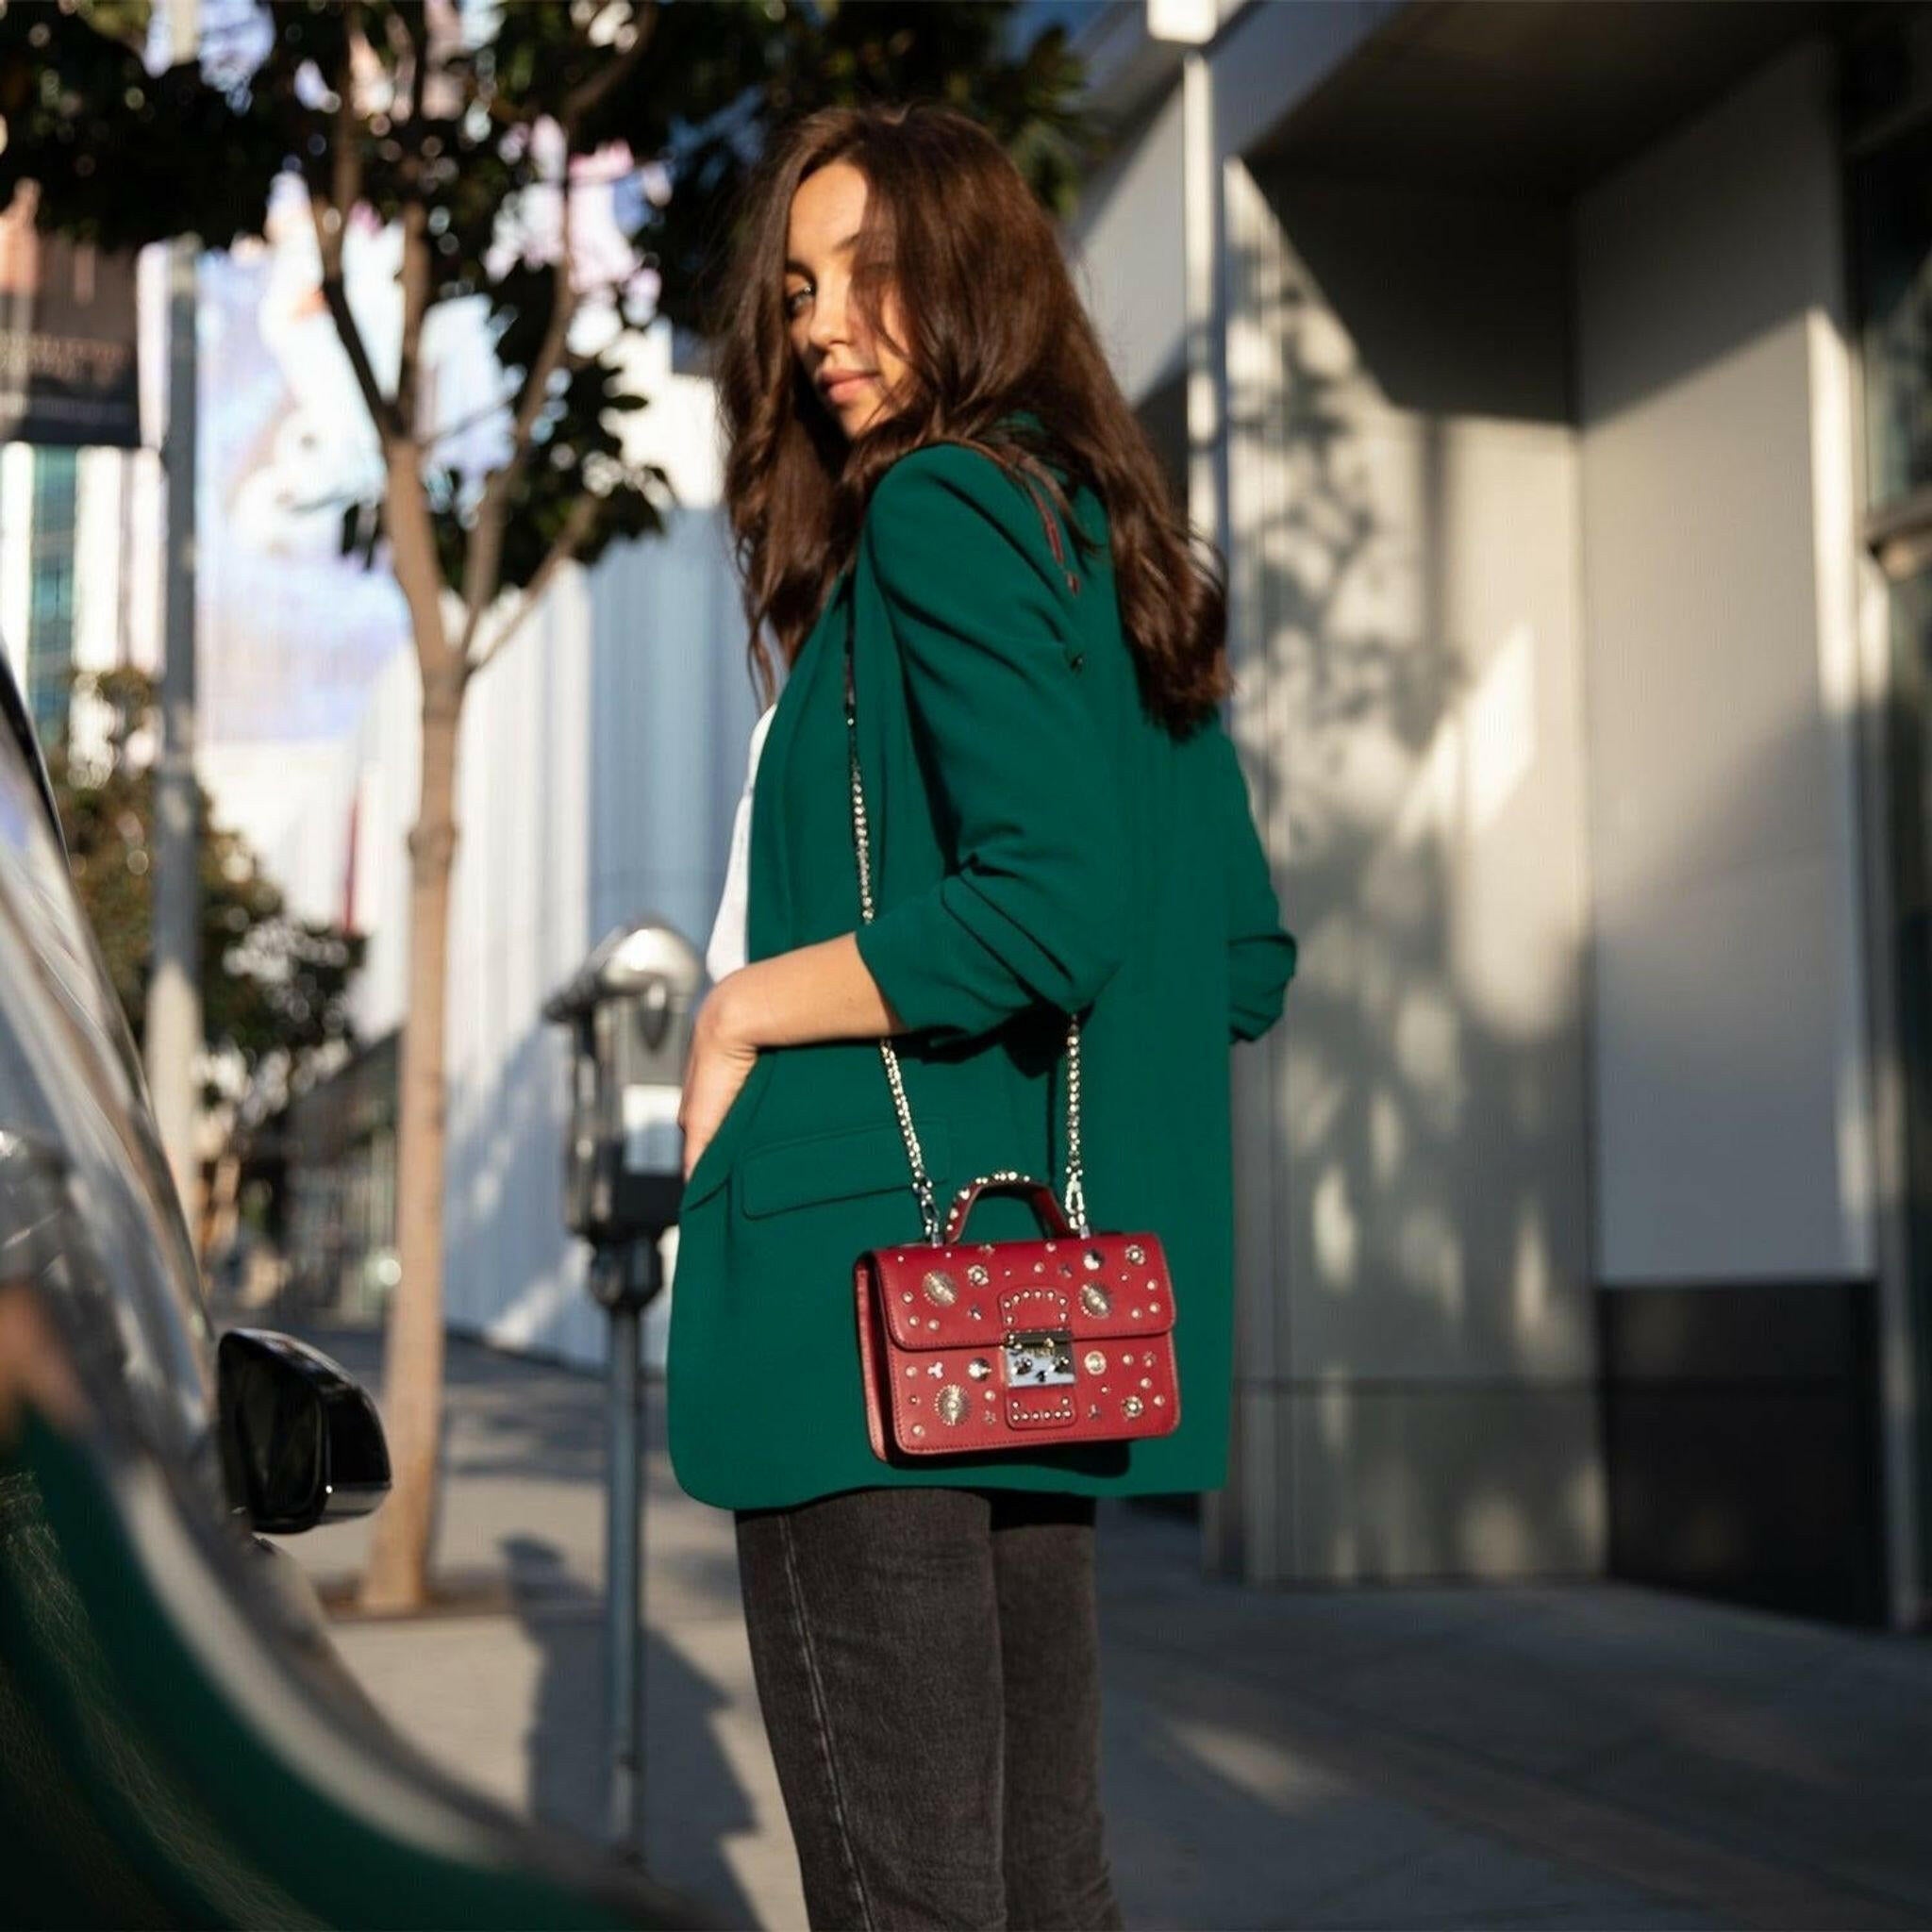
(67, 335)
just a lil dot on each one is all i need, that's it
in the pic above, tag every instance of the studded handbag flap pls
(1106, 1287)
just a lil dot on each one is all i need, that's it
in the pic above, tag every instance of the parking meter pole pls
(630, 1279)
(629, 1009)
(622, 1543)
(633, 1279)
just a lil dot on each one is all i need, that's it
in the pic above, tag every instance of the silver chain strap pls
(1075, 1195)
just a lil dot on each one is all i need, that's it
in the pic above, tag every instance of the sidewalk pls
(1542, 1756)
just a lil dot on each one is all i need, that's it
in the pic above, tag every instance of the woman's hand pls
(721, 1061)
(820, 992)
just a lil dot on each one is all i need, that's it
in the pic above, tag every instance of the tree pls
(461, 146)
(274, 987)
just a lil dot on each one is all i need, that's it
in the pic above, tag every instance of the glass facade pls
(1894, 224)
(1888, 136)
(50, 589)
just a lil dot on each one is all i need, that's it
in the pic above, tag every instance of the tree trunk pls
(219, 1212)
(397, 1576)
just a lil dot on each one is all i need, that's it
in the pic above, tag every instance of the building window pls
(1894, 205)
(50, 589)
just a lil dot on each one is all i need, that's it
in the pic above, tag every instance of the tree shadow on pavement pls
(692, 1801)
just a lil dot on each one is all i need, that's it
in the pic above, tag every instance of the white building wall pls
(601, 755)
(119, 515)
(520, 924)
(1415, 1394)
(1731, 1112)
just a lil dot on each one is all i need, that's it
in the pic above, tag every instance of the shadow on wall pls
(1409, 541)
(1416, 686)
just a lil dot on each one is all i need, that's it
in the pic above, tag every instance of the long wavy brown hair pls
(993, 325)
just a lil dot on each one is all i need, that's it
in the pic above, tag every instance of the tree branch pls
(415, 226)
(483, 565)
(576, 527)
(589, 92)
(573, 362)
(463, 424)
(416, 31)
(330, 234)
(415, 279)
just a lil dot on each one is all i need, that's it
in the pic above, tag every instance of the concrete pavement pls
(1543, 1755)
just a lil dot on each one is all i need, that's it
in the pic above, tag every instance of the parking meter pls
(629, 1009)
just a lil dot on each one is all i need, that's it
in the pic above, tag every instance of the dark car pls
(179, 1743)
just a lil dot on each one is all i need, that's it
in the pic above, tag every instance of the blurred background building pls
(80, 498)
(79, 567)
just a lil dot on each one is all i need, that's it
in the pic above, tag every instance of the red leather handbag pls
(975, 1347)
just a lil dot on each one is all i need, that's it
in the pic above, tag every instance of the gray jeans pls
(928, 1664)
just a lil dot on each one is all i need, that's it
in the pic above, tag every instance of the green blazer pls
(1038, 844)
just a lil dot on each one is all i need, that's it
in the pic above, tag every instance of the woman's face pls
(854, 375)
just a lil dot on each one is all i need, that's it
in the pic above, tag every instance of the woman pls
(1058, 825)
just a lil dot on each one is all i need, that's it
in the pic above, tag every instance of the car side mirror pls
(301, 1443)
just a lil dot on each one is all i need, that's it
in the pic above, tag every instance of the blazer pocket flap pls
(833, 1166)
(714, 1164)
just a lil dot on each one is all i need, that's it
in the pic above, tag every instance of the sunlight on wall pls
(537, 1311)
(1496, 1538)
(1530, 1271)
(1337, 1230)
(1387, 1136)
(1322, 1091)
(1835, 523)
(1428, 1053)
(1430, 1258)
(1586, 1503)
(1500, 719)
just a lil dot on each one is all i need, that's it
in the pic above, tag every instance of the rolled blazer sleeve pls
(1262, 953)
(1034, 906)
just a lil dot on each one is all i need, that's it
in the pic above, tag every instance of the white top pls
(725, 953)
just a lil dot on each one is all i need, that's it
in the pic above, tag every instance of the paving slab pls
(1542, 1754)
